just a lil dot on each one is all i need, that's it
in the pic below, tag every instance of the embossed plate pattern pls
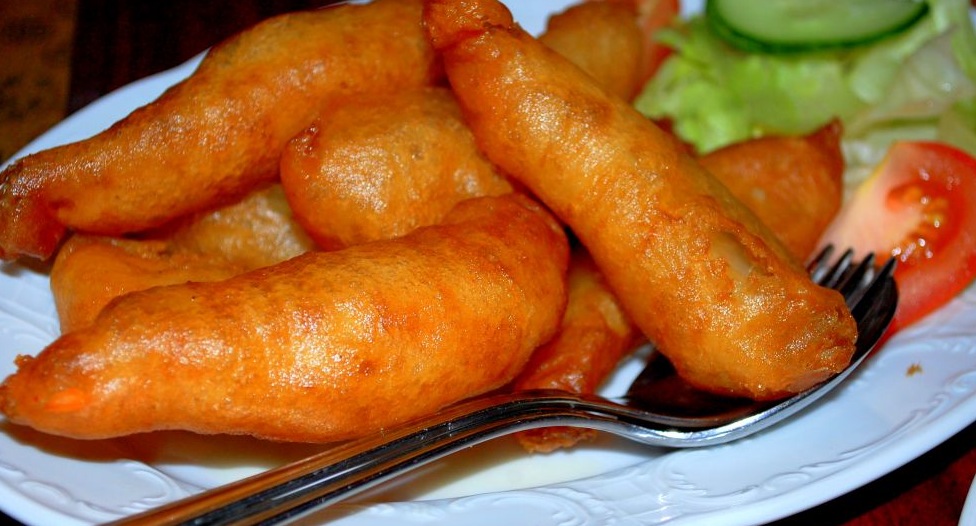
(916, 393)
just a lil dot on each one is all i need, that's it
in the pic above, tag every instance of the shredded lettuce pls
(716, 95)
(920, 83)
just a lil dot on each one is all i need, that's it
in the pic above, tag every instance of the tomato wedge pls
(651, 16)
(919, 206)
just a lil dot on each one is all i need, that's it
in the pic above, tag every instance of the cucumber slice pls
(780, 26)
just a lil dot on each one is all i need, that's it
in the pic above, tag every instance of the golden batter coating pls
(380, 167)
(89, 271)
(793, 184)
(696, 271)
(325, 346)
(257, 231)
(219, 134)
(604, 40)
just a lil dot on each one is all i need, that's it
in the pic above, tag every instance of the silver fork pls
(648, 413)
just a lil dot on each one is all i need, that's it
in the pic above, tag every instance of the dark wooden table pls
(118, 41)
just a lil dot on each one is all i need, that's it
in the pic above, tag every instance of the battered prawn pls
(322, 347)
(697, 272)
(793, 184)
(90, 271)
(382, 166)
(218, 135)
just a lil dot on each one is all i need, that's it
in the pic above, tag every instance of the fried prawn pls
(379, 167)
(793, 184)
(325, 346)
(90, 271)
(696, 271)
(604, 40)
(217, 135)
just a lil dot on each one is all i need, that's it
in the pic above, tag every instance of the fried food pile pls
(318, 347)
(384, 166)
(216, 136)
(698, 273)
(355, 216)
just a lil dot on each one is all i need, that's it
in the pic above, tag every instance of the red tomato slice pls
(653, 15)
(918, 206)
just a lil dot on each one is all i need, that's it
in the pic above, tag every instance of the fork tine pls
(872, 289)
(856, 281)
(830, 277)
(853, 282)
(817, 267)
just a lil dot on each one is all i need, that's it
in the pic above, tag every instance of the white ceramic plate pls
(918, 392)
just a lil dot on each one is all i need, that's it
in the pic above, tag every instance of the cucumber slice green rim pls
(792, 26)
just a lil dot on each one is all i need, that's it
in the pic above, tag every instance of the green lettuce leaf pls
(918, 82)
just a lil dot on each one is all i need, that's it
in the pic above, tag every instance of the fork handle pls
(302, 487)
